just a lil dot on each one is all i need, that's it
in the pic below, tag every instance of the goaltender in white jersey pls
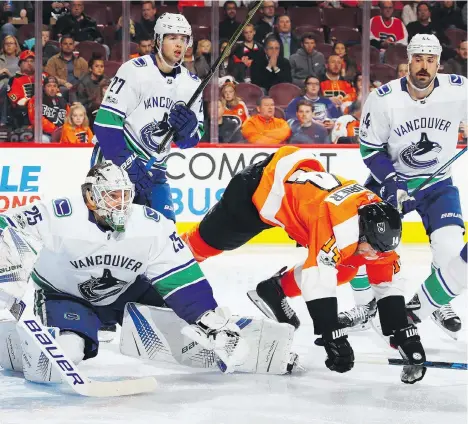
(105, 260)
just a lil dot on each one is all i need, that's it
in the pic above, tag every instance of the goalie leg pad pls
(155, 334)
(10, 347)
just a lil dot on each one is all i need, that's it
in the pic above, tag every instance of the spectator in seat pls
(232, 103)
(245, 54)
(333, 85)
(225, 69)
(352, 97)
(228, 125)
(346, 130)
(446, 14)
(145, 46)
(325, 112)
(22, 87)
(402, 70)
(271, 69)
(203, 58)
(97, 100)
(145, 28)
(229, 25)
(264, 128)
(457, 65)
(266, 23)
(288, 41)
(13, 9)
(67, 68)
(307, 61)
(385, 29)
(76, 128)
(54, 109)
(409, 12)
(131, 31)
(8, 68)
(194, 64)
(304, 129)
(80, 26)
(424, 25)
(88, 85)
(54, 10)
(348, 65)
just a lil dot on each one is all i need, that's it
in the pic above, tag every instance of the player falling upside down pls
(339, 221)
(409, 129)
(100, 252)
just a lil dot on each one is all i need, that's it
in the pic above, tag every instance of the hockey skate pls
(269, 297)
(359, 317)
(413, 305)
(447, 320)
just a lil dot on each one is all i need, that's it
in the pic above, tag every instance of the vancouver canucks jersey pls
(136, 107)
(417, 136)
(82, 259)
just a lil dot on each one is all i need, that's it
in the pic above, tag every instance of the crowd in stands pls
(293, 77)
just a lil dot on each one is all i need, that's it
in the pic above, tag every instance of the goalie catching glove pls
(214, 331)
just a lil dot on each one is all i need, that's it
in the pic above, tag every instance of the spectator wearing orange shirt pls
(232, 103)
(145, 46)
(264, 128)
(76, 128)
(333, 85)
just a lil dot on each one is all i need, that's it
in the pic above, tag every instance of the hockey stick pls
(431, 177)
(75, 378)
(227, 50)
(401, 362)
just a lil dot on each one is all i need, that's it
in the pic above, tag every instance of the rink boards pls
(197, 177)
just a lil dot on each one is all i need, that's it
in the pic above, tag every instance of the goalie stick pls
(225, 53)
(76, 379)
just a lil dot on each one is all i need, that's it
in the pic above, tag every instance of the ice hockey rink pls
(370, 393)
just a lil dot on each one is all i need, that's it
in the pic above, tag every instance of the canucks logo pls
(418, 155)
(152, 133)
(100, 288)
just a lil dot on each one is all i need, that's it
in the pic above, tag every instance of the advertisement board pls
(197, 177)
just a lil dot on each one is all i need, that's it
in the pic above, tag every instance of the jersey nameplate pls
(340, 195)
(384, 90)
(455, 79)
(62, 207)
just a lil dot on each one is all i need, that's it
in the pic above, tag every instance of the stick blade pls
(117, 388)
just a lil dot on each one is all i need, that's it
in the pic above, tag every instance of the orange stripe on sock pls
(289, 285)
(200, 249)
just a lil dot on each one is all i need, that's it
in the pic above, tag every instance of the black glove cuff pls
(392, 313)
(324, 313)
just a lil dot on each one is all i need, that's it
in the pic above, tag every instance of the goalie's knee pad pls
(10, 347)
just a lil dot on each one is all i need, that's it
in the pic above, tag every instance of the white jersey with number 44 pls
(418, 135)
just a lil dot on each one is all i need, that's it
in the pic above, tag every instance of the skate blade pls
(260, 304)
(359, 327)
(451, 334)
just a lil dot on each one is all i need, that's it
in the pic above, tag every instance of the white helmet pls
(112, 191)
(424, 44)
(172, 23)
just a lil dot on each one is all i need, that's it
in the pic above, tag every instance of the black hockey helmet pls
(380, 226)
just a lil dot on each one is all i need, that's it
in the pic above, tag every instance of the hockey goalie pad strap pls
(324, 313)
(392, 312)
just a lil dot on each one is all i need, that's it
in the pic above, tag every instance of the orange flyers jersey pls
(317, 209)
(380, 270)
(345, 126)
(336, 88)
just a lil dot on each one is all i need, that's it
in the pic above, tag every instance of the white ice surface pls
(369, 394)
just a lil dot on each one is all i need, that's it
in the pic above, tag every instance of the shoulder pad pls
(139, 62)
(62, 207)
(384, 90)
(455, 79)
(151, 214)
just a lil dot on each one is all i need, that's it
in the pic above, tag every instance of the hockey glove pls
(340, 355)
(408, 342)
(214, 331)
(185, 124)
(137, 172)
(394, 190)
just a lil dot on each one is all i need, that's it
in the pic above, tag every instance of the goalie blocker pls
(158, 334)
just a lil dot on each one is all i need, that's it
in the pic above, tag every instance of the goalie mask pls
(110, 188)
(172, 23)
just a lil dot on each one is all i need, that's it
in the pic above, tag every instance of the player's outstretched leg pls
(269, 297)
